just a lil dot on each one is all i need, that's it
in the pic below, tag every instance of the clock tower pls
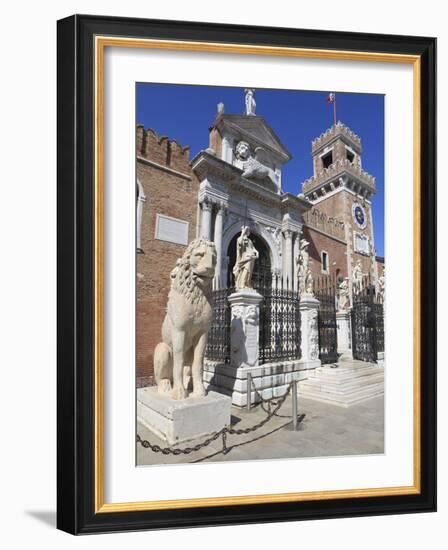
(341, 193)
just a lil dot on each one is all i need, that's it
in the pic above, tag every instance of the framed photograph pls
(246, 274)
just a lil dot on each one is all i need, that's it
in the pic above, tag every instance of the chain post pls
(295, 411)
(249, 391)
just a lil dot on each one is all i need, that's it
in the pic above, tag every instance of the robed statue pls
(357, 277)
(246, 255)
(343, 295)
(304, 275)
(250, 102)
(382, 287)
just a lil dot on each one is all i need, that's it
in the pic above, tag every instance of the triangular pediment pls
(255, 128)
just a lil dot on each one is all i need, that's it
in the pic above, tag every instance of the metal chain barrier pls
(271, 401)
(277, 402)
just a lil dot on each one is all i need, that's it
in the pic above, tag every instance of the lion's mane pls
(185, 282)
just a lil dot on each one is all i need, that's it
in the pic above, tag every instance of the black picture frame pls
(76, 405)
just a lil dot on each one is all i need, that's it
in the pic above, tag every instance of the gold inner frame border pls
(101, 42)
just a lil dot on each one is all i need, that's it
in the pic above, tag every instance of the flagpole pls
(334, 109)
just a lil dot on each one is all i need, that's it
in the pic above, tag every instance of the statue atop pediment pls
(250, 102)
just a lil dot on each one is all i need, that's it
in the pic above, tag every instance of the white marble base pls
(309, 308)
(270, 380)
(344, 385)
(176, 421)
(344, 335)
(244, 331)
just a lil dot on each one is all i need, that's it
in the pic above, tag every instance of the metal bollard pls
(295, 411)
(249, 390)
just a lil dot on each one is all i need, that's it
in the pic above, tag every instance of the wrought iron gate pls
(218, 340)
(325, 292)
(280, 334)
(367, 319)
(279, 322)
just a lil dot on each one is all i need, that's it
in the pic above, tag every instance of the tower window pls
(324, 260)
(327, 159)
(350, 155)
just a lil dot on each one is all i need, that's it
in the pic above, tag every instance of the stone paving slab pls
(324, 430)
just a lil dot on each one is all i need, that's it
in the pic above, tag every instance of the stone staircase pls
(344, 384)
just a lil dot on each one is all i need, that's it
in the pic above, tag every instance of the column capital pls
(206, 204)
(222, 208)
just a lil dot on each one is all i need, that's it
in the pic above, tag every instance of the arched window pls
(325, 262)
(141, 199)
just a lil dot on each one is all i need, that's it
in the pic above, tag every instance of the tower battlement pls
(337, 130)
(337, 163)
(162, 150)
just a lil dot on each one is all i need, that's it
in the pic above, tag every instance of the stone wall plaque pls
(171, 230)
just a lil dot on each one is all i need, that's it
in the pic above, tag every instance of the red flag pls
(331, 98)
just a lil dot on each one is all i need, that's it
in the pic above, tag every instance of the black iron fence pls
(367, 320)
(325, 292)
(280, 333)
(218, 341)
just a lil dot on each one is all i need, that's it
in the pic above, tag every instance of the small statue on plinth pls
(179, 357)
(357, 277)
(343, 295)
(381, 287)
(305, 277)
(246, 255)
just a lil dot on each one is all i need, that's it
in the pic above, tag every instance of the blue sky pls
(185, 113)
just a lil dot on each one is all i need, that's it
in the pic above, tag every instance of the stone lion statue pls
(178, 358)
(242, 150)
(255, 166)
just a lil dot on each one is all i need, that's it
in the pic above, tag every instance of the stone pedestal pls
(177, 421)
(309, 307)
(344, 339)
(269, 379)
(244, 333)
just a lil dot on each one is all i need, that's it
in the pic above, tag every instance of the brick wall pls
(172, 195)
(337, 253)
(380, 266)
(339, 206)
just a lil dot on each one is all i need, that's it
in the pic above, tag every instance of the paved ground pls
(323, 430)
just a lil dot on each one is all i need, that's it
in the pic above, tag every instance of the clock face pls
(359, 215)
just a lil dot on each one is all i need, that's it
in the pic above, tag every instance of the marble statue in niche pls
(246, 256)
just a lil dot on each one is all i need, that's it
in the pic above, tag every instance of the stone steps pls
(344, 386)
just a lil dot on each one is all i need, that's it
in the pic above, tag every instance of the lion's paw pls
(164, 386)
(199, 392)
(179, 393)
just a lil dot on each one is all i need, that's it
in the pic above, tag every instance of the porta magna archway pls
(279, 318)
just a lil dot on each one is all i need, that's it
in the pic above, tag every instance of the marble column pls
(206, 219)
(309, 307)
(219, 223)
(288, 258)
